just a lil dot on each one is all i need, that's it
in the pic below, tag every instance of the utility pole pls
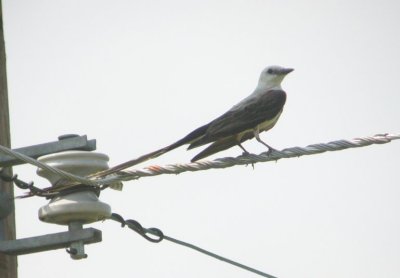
(8, 264)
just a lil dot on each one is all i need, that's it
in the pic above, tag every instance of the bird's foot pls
(271, 150)
(252, 165)
(246, 153)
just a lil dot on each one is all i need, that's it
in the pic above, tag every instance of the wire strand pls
(219, 163)
(138, 228)
(44, 166)
(247, 159)
(208, 253)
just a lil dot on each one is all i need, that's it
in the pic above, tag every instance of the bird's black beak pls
(286, 70)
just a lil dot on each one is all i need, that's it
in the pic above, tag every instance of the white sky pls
(137, 75)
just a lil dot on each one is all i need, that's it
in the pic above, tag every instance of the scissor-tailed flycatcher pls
(256, 113)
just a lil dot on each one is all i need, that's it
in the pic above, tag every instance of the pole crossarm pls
(70, 142)
(49, 242)
(219, 163)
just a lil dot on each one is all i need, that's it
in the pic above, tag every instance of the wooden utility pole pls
(8, 264)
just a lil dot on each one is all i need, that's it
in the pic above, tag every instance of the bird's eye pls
(270, 71)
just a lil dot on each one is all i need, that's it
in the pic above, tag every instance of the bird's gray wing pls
(243, 117)
(221, 145)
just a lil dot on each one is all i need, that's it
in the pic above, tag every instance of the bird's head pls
(272, 76)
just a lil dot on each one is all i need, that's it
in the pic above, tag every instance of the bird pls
(247, 119)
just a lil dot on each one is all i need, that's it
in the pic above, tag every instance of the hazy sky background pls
(137, 75)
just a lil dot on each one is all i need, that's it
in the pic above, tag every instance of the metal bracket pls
(75, 239)
(64, 143)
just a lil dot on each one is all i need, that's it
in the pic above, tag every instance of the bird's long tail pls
(138, 160)
(185, 140)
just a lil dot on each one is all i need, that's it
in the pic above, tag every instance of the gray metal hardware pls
(65, 143)
(51, 241)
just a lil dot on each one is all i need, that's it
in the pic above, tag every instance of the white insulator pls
(82, 206)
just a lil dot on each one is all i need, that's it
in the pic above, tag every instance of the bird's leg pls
(257, 135)
(244, 150)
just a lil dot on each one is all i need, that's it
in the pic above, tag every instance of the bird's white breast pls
(264, 126)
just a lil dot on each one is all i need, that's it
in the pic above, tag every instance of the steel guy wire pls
(21, 184)
(159, 236)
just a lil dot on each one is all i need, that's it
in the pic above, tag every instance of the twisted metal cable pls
(247, 159)
(46, 167)
(33, 190)
(219, 163)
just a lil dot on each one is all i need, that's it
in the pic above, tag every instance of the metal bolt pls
(77, 249)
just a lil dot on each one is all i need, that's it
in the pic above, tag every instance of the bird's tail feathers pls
(185, 140)
(221, 145)
(131, 163)
(216, 147)
(197, 143)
